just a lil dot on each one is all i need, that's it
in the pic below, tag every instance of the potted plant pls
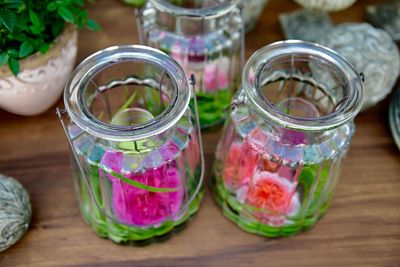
(38, 47)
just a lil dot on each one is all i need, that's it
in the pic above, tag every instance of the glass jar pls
(138, 154)
(288, 131)
(206, 38)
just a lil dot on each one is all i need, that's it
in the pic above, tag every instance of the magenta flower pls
(132, 205)
(197, 50)
(136, 206)
(292, 137)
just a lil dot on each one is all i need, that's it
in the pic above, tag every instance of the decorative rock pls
(306, 25)
(386, 17)
(15, 211)
(372, 52)
(252, 11)
(394, 117)
(326, 5)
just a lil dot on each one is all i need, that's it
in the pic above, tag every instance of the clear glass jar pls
(138, 155)
(206, 38)
(288, 131)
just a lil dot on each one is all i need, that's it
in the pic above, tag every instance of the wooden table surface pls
(361, 228)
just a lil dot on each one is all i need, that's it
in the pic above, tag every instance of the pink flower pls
(132, 205)
(223, 72)
(240, 165)
(179, 53)
(275, 196)
(136, 206)
(216, 74)
(211, 77)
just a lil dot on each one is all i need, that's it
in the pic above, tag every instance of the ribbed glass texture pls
(137, 162)
(272, 179)
(205, 38)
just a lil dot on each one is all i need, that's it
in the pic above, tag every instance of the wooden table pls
(362, 227)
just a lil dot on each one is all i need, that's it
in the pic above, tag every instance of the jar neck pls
(302, 86)
(93, 110)
(192, 21)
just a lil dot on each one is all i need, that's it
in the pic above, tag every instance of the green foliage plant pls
(30, 26)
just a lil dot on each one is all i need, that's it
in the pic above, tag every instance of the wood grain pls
(362, 226)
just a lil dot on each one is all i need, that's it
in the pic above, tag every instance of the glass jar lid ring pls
(81, 77)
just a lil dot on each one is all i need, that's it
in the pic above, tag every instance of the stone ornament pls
(372, 52)
(386, 17)
(41, 80)
(394, 117)
(326, 5)
(304, 24)
(15, 211)
(252, 11)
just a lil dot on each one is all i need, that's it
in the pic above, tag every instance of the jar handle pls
(242, 39)
(60, 113)
(192, 82)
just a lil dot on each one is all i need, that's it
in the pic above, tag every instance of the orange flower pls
(271, 193)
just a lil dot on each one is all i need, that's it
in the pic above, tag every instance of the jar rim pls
(79, 79)
(348, 109)
(218, 10)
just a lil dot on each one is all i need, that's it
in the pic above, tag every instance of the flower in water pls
(179, 53)
(211, 77)
(240, 165)
(274, 196)
(136, 206)
(216, 75)
(292, 137)
(197, 51)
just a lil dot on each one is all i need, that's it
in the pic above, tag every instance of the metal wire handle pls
(62, 113)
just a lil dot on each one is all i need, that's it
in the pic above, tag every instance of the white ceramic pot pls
(41, 79)
(326, 5)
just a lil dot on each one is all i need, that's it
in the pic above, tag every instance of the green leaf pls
(140, 185)
(79, 2)
(3, 58)
(13, 53)
(13, 3)
(13, 64)
(34, 18)
(56, 28)
(52, 6)
(25, 49)
(44, 47)
(8, 19)
(94, 26)
(66, 14)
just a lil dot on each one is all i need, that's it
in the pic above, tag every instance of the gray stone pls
(15, 211)
(394, 117)
(306, 25)
(386, 17)
(326, 5)
(372, 52)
